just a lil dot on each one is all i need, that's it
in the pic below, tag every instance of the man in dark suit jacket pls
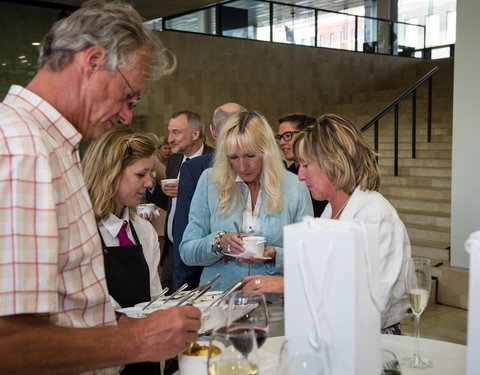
(190, 173)
(185, 135)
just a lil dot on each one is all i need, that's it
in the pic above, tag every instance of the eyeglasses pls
(132, 102)
(287, 136)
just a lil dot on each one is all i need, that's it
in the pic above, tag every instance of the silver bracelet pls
(216, 248)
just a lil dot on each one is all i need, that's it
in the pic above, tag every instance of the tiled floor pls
(440, 322)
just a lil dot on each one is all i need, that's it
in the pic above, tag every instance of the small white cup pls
(147, 208)
(254, 245)
(169, 181)
(189, 364)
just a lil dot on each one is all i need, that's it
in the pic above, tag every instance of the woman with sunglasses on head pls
(288, 129)
(118, 169)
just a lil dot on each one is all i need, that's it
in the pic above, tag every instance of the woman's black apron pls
(128, 281)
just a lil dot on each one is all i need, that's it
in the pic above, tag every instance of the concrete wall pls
(466, 132)
(272, 78)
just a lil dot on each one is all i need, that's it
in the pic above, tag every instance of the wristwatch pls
(216, 248)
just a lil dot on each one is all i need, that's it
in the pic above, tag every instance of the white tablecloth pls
(447, 358)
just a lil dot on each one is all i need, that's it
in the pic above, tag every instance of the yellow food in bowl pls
(201, 350)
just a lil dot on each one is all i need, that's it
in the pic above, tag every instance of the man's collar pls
(198, 153)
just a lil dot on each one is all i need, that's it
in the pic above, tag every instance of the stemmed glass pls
(248, 313)
(232, 353)
(418, 282)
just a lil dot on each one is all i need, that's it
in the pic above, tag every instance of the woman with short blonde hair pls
(338, 164)
(249, 188)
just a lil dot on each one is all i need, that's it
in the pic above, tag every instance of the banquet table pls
(447, 358)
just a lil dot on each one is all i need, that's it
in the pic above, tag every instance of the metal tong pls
(198, 291)
(224, 295)
(162, 293)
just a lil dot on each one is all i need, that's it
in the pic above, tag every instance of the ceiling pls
(151, 9)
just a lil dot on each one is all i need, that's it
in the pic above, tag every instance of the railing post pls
(356, 33)
(271, 22)
(218, 13)
(375, 139)
(430, 80)
(414, 124)
(316, 28)
(395, 166)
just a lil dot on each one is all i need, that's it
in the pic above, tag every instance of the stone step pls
(387, 170)
(425, 204)
(416, 192)
(418, 163)
(452, 286)
(420, 154)
(415, 217)
(421, 145)
(428, 232)
(430, 250)
(407, 138)
(439, 182)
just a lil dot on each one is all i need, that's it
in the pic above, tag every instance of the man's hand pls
(164, 333)
(170, 190)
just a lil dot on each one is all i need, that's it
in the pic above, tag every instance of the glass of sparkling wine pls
(418, 282)
(239, 353)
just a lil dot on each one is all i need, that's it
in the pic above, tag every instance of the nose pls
(125, 115)
(150, 182)
(302, 173)
(171, 138)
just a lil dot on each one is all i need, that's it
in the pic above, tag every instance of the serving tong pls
(198, 291)
(162, 293)
(224, 295)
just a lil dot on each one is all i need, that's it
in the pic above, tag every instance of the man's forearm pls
(30, 344)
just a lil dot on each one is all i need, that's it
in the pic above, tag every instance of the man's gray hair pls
(193, 120)
(115, 26)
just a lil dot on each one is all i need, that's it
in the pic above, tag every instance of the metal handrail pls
(395, 104)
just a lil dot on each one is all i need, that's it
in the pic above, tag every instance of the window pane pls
(293, 25)
(336, 30)
(246, 19)
(202, 22)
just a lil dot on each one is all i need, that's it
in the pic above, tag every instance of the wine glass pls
(296, 359)
(248, 313)
(232, 353)
(418, 282)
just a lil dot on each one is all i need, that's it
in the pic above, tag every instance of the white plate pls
(136, 312)
(246, 256)
(206, 299)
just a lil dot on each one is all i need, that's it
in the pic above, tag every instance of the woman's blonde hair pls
(341, 152)
(104, 162)
(251, 132)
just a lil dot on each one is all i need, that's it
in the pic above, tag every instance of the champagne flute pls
(248, 313)
(418, 282)
(238, 354)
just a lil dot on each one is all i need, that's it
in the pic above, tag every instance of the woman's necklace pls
(340, 210)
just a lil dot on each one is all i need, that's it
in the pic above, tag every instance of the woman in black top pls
(289, 127)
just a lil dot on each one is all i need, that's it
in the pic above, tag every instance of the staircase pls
(421, 192)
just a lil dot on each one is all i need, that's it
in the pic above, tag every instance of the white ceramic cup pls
(195, 365)
(147, 208)
(254, 245)
(169, 181)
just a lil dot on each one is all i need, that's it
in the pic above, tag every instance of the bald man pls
(190, 173)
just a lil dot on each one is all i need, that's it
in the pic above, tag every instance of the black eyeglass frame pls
(287, 136)
(135, 102)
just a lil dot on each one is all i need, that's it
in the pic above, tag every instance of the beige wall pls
(272, 78)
